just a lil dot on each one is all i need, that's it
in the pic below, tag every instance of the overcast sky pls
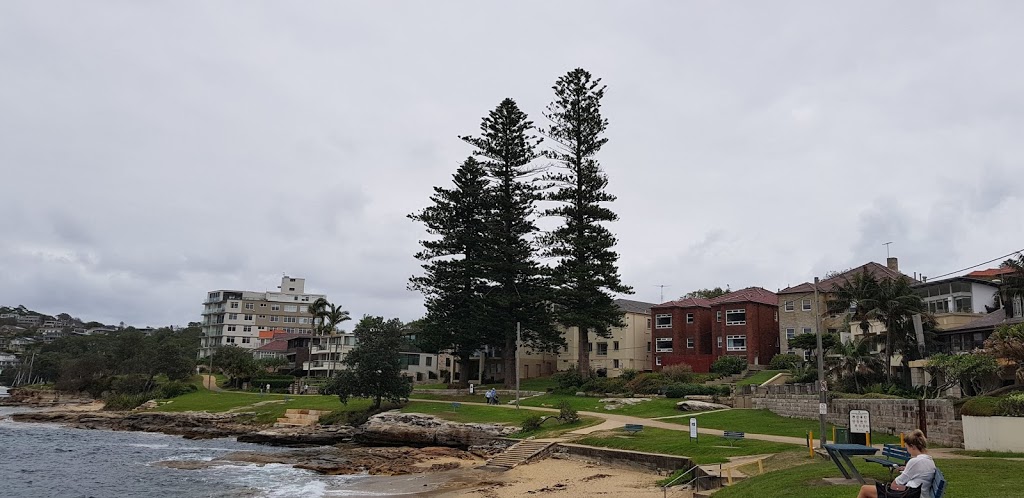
(153, 151)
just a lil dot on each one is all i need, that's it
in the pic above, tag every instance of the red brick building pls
(698, 331)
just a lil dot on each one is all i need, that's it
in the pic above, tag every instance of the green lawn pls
(495, 415)
(766, 422)
(966, 478)
(214, 402)
(707, 449)
(759, 378)
(990, 454)
(658, 407)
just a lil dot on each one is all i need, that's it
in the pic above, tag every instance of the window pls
(590, 347)
(291, 308)
(790, 306)
(664, 344)
(263, 305)
(232, 316)
(275, 307)
(689, 343)
(648, 324)
(962, 305)
(247, 317)
(234, 305)
(718, 316)
(249, 306)
(657, 360)
(275, 318)
(719, 342)
(231, 328)
(776, 315)
(247, 328)
(262, 316)
(602, 349)
(663, 321)
(447, 362)
(736, 317)
(290, 319)
(615, 363)
(246, 340)
(689, 318)
(806, 306)
(615, 345)
(790, 334)
(229, 340)
(736, 343)
(430, 361)
(648, 346)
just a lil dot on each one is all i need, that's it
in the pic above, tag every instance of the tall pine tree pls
(518, 290)
(454, 263)
(587, 271)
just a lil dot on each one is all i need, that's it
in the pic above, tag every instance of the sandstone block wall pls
(890, 416)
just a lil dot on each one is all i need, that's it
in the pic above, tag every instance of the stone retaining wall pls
(890, 416)
(503, 393)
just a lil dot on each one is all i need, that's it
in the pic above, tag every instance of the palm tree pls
(855, 296)
(318, 309)
(853, 359)
(333, 316)
(1013, 284)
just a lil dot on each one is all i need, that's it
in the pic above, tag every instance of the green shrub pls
(360, 417)
(1012, 405)
(566, 413)
(628, 374)
(605, 385)
(981, 406)
(277, 383)
(785, 361)
(175, 388)
(532, 423)
(681, 390)
(123, 402)
(131, 384)
(729, 365)
(334, 418)
(568, 379)
(678, 374)
(647, 383)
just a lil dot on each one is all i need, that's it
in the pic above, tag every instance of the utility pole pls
(822, 403)
(519, 347)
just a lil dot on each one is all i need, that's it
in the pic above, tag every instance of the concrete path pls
(615, 421)
(210, 382)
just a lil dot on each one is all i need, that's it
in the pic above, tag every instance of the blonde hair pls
(917, 440)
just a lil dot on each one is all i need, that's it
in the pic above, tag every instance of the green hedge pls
(981, 406)
(729, 365)
(680, 390)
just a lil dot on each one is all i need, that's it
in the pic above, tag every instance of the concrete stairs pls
(300, 418)
(519, 454)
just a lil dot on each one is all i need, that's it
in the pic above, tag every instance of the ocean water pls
(45, 460)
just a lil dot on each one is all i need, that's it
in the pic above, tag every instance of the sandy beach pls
(559, 476)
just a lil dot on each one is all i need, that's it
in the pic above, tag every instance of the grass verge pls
(496, 415)
(766, 422)
(989, 454)
(707, 449)
(759, 378)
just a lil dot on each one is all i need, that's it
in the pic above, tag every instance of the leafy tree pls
(235, 362)
(1013, 283)
(587, 271)
(810, 341)
(785, 361)
(706, 293)
(1007, 342)
(455, 266)
(972, 372)
(374, 366)
(517, 290)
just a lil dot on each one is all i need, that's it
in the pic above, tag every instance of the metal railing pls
(664, 489)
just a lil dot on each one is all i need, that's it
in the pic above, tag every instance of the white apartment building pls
(235, 317)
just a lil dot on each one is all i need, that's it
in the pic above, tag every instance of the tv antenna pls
(887, 249)
(662, 287)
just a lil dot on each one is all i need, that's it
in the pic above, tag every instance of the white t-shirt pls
(918, 473)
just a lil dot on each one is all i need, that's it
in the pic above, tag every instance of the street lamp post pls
(821, 368)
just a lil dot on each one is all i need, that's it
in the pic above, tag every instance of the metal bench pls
(733, 436)
(938, 484)
(893, 455)
(633, 428)
(456, 405)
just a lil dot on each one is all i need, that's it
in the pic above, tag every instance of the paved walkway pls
(615, 421)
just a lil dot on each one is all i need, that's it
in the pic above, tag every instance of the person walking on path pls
(490, 395)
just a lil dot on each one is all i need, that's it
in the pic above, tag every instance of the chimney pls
(893, 264)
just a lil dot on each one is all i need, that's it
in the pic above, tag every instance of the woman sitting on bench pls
(916, 479)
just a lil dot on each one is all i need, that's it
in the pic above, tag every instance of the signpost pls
(693, 429)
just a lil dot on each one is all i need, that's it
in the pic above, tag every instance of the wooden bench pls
(633, 428)
(893, 455)
(734, 436)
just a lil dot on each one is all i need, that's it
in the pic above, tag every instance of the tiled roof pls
(277, 345)
(748, 295)
(630, 306)
(989, 321)
(874, 269)
(691, 302)
(989, 273)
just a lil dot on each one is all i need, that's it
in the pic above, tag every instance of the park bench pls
(456, 405)
(633, 428)
(893, 455)
(733, 436)
(938, 484)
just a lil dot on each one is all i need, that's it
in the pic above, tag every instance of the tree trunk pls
(508, 356)
(376, 402)
(465, 367)
(905, 374)
(583, 354)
